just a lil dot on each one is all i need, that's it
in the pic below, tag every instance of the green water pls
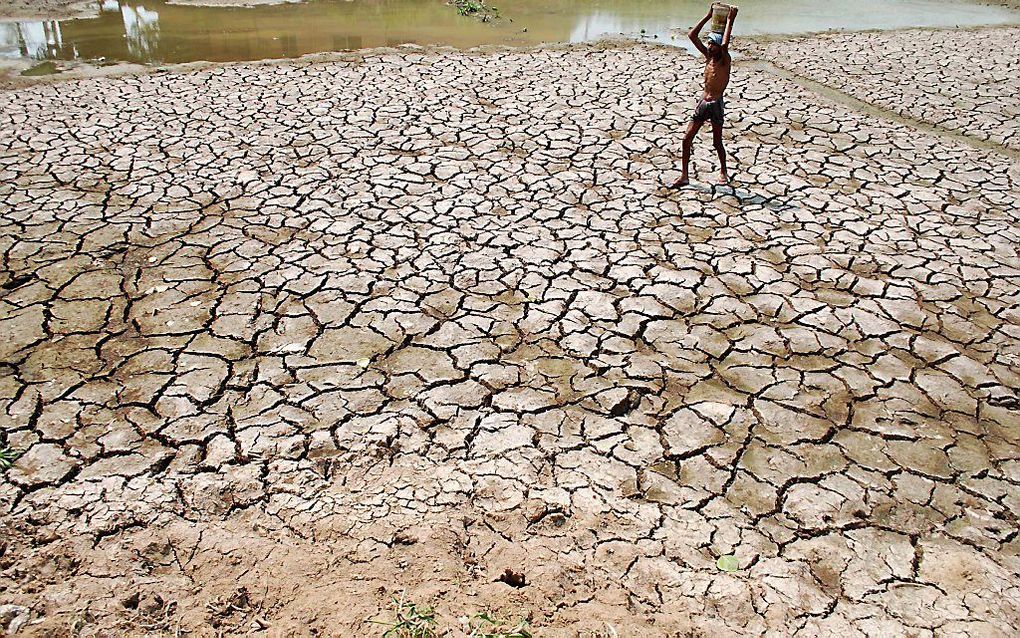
(153, 31)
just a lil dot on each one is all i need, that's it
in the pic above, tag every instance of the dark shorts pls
(713, 111)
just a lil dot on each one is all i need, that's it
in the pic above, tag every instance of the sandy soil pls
(284, 341)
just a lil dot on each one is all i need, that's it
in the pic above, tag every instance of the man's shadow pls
(743, 195)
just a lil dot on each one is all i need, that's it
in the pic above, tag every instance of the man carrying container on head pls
(716, 50)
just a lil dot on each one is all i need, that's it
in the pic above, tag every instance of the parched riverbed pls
(282, 341)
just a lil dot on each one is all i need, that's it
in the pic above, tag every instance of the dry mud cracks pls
(282, 340)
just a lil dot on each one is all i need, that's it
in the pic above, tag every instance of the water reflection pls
(37, 40)
(599, 23)
(122, 31)
(141, 31)
(156, 31)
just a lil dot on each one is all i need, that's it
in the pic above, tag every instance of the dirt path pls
(284, 341)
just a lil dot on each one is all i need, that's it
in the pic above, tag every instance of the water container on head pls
(720, 13)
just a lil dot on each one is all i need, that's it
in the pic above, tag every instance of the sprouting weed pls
(412, 621)
(485, 625)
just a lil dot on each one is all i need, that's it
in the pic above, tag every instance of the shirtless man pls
(710, 108)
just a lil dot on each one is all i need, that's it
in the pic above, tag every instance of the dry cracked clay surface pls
(281, 341)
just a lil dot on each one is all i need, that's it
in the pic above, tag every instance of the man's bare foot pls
(680, 183)
(723, 180)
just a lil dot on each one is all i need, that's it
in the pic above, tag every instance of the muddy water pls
(155, 31)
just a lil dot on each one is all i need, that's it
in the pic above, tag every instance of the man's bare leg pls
(692, 130)
(724, 177)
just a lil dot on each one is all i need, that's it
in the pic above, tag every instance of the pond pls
(155, 31)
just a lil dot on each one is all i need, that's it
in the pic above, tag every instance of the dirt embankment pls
(63, 9)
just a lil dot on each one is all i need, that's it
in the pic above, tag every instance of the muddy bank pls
(47, 9)
(65, 9)
(288, 339)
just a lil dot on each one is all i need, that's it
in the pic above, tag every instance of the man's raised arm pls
(695, 33)
(729, 26)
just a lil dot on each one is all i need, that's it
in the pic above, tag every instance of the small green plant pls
(412, 621)
(728, 563)
(478, 8)
(8, 456)
(485, 626)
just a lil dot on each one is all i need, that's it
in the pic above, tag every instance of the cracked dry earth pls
(283, 340)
